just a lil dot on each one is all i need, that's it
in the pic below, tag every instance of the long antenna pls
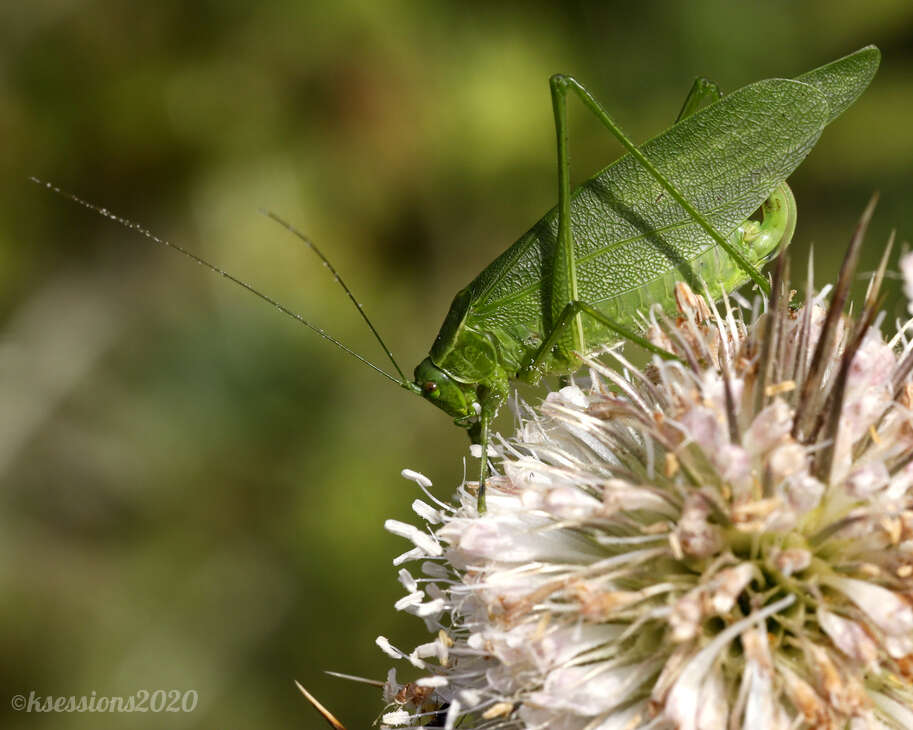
(134, 226)
(326, 262)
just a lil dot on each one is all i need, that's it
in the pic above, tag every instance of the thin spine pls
(903, 370)
(800, 361)
(780, 344)
(825, 343)
(834, 404)
(726, 328)
(640, 376)
(690, 357)
(324, 712)
(873, 301)
(767, 345)
(906, 363)
(836, 398)
(735, 434)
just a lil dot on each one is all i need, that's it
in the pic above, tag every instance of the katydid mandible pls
(677, 208)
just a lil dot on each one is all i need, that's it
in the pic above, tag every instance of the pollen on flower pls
(723, 540)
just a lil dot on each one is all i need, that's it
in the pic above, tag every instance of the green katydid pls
(668, 210)
(676, 208)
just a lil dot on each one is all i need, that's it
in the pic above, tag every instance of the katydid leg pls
(564, 270)
(560, 85)
(703, 92)
(776, 229)
(490, 401)
(567, 336)
(575, 309)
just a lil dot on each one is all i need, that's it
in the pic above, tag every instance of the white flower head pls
(722, 540)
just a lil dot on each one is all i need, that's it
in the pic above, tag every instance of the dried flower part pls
(906, 269)
(720, 541)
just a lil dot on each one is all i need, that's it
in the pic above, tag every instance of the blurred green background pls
(192, 488)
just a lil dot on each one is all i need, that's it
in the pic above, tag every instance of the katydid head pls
(451, 396)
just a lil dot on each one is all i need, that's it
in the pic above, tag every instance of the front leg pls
(491, 399)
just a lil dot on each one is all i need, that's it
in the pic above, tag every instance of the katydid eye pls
(428, 388)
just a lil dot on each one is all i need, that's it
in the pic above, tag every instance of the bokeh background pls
(192, 487)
